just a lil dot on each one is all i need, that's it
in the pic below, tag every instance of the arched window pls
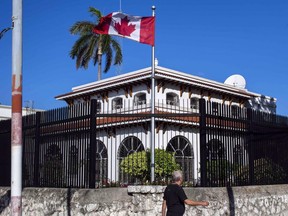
(215, 150)
(101, 162)
(101, 166)
(73, 161)
(140, 99)
(184, 155)
(117, 103)
(128, 146)
(238, 154)
(194, 103)
(172, 99)
(53, 167)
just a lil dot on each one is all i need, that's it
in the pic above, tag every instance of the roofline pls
(23, 108)
(106, 83)
(203, 83)
(160, 72)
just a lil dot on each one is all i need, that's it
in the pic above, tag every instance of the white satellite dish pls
(236, 80)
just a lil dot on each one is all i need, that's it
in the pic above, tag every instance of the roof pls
(144, 75)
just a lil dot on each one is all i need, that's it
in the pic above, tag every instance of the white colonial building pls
(6, 111)
(175, 92)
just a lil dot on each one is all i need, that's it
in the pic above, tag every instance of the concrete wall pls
(147, 200)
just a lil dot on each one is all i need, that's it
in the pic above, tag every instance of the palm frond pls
(96, 13)
(89, 52)
(80, 62)
(109, 57)
(82, 27)
(88, 44)
(81, 42)
(118, 52)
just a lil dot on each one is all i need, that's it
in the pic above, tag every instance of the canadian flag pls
(136, 28)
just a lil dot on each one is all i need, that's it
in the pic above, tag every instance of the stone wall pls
(147, 200)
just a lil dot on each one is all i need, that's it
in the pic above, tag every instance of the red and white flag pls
(136, 28)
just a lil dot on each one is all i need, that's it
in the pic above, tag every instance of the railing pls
(77, 146)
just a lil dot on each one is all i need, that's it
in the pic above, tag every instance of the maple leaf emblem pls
(123, 28)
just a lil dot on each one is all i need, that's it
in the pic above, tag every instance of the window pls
(52, 171)
(101, 166)
(101, 162)
(183, 155)
(140, 99)
(117, 103)
(215, 150)
(238, 154)
(73, 161)
(172, 99)
(128, 146)
(194, 103)
(214, 108)
(98, 108)
(235, 111)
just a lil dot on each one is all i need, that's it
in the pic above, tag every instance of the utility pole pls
(16, 125)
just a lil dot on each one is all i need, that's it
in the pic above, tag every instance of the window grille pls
(98, 108)
(183, 155)
(73, 161)
(128, 146)
(216, 150)
(140, 99)
(194, 103)
(172, 99)
(117, 103)
(101, 162)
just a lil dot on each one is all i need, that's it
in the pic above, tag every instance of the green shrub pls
(138, 164)
(265, 172)
(218, 170)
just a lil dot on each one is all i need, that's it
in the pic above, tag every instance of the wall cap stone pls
(146, 189)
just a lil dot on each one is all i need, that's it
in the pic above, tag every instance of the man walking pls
(175, 198)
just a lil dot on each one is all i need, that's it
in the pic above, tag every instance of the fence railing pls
(213, 144)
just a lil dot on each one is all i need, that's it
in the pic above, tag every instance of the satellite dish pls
(236, 80)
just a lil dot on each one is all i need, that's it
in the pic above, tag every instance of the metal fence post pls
(203, 150)
(37, 148)
(92, 165)
(250, 146)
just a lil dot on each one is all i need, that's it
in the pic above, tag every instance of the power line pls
(4, 31)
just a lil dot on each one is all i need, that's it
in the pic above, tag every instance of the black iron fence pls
(86, 147)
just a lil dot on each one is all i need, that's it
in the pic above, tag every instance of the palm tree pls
(91, 46)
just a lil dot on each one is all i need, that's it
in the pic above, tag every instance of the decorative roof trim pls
(160, 72)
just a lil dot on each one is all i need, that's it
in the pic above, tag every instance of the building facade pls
(175, 92)
(6, 111)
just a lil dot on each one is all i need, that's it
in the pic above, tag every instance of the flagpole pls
(153, 109)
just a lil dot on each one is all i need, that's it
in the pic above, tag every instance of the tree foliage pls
(90, 46)
(138, 164)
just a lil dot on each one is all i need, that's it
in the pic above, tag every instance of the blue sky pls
(207, 38)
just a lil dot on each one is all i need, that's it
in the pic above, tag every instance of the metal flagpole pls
(153, 109)
(16, 125)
